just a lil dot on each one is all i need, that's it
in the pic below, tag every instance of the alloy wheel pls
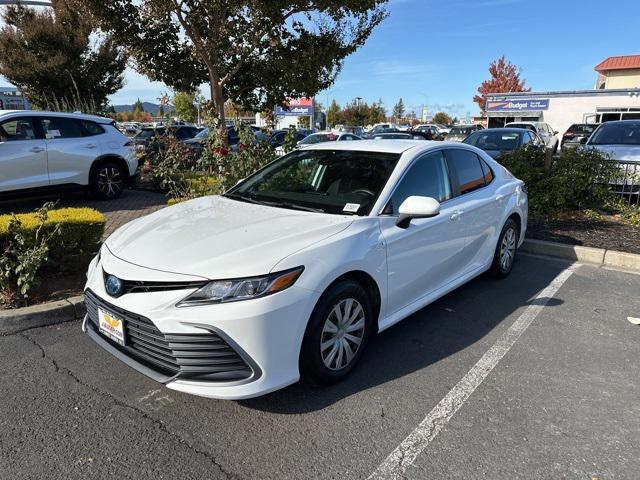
(508, 249)
(110, 181)
(342, 334)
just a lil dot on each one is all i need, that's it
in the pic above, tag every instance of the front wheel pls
(337, 333)
(107, 182)
(505, 253)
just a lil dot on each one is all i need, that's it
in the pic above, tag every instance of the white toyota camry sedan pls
(292, 271)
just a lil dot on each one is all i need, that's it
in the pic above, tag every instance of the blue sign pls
(294, 111)
(517, 105)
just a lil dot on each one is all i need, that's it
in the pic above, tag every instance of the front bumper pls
(257, 340)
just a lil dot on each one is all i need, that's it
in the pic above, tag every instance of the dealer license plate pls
(111, 326)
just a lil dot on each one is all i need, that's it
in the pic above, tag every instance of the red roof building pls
(619, 72)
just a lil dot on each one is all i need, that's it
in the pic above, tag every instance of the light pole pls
(425, 104)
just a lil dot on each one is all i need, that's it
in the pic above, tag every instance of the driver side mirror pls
(417, 207)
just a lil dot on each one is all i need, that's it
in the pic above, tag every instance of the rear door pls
(70, 151)
(23, 155)
(477, 205)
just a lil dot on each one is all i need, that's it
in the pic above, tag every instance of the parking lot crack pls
(157, 422)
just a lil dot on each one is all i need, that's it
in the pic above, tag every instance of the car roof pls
(378, 146)
(41, 113)
(504, 130)
(620, 122)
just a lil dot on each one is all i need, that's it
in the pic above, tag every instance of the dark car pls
(460, 132)
(430, 130)
(277, 137)
(197, 143)
(400, 135)
(577, 134)
(498, 141)
(149, 139)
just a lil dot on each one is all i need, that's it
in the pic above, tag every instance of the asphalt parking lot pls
(559, 397)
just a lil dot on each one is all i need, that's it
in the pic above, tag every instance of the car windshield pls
(582, 129)
(617, 134)
(150, 132)
(203, 133)
(328, 181)
(460, 131)
(488, 140)
(318, 138)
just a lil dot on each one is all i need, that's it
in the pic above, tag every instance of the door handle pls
(90, 145)
(456, 215)
(37, 149)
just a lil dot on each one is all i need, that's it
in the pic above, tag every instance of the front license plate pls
(111, 326)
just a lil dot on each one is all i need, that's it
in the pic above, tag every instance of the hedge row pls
(81, 231)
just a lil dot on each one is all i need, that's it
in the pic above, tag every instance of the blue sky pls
(437, 51)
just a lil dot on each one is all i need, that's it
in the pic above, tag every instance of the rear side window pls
(58, 127)
(467, 169)
(91, 128)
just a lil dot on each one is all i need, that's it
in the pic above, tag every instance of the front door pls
(23, 156)
(424, 256)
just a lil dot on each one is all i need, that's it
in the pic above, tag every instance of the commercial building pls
(617, 97)
(12, 99)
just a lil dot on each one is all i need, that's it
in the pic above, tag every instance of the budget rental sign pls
(517, 105)
(296, 106)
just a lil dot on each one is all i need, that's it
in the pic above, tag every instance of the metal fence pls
(627, 184)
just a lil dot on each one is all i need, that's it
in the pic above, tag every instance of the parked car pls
(382, 128)
(292, 271)
(197, 143)
(620, 141)
(321, 137)
(575, 134)
(129, 128)
(359, 131)
(404, 127)
(50, 150)
(409, 135)
(432, 130)
(542, 129)
(498, 141)
(277, 137)
(149, 139)
(459, 133)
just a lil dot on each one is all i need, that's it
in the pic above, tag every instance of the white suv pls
(49, 150)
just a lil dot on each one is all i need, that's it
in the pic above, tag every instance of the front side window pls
(494, 140)
(59, 127)
(427, 177)
(328, 181)
(16, 129)
(468, 170)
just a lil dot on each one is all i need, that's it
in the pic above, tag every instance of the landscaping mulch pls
(609, 232)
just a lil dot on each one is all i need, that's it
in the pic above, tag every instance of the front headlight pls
(233, 290)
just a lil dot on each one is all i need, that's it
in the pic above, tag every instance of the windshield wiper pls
(290, 205)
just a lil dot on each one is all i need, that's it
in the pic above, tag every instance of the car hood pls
(619, 152)
(216, 237)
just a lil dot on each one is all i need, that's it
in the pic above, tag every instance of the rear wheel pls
(108, 181)
(505, 253)
(337, 333)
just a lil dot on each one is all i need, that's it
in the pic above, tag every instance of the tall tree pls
(442, 118)
(505, 77)
(398, 110)
(184, 105)
(57, 57)
(255, 53)
(332, 113)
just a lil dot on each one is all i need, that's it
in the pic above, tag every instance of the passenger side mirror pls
(417, 207)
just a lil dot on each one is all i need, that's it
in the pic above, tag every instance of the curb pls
(594, 256)
(51, 313)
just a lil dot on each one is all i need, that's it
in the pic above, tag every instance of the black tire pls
(107, 181)
(499, 267)
(313, 359)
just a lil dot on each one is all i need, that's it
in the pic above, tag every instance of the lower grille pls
(197, 356)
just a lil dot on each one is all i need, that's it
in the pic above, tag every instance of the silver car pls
(620, 141)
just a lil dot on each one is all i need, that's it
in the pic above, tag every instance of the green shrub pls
(80, 233)
(578, 179)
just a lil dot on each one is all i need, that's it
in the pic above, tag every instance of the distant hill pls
(151, 108)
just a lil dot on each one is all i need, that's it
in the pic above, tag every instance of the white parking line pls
(396, 464)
